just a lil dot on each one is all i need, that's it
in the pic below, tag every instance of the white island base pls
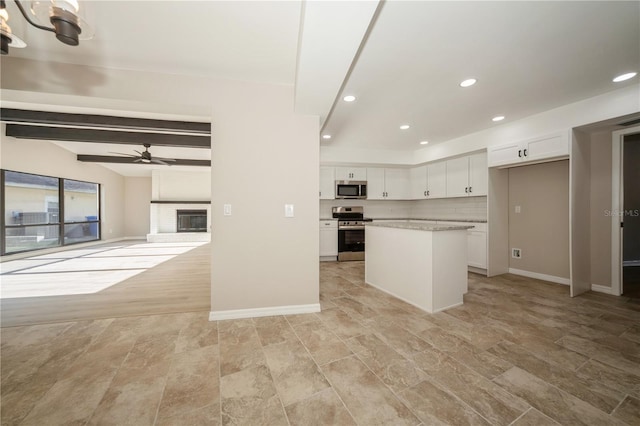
(423, 264)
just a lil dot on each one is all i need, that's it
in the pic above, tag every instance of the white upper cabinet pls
(437, 180)
(351, 173)
(327, 183)
(467, 176)
(428, 181)
(534, 150)
(418, 183)
(478, 175)
(387, 184)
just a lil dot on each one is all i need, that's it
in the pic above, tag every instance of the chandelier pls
(57, 16)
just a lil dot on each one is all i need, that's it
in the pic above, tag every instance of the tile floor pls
(519, 351)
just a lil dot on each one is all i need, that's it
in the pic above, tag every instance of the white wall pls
(45, 158)
(264, 157)
(137, 196)
(172, 185)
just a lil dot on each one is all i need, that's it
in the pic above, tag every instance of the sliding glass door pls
(44, 211)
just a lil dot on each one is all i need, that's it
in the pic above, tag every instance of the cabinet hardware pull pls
(466, 190)
(427, 192)
(520, 153)
(469, 189)
(525, 152)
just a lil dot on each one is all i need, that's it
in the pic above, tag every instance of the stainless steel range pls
(350, 232)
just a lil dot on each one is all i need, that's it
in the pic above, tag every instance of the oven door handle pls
(350, 228)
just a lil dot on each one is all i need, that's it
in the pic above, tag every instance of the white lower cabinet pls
(329, 238)
(476, 243)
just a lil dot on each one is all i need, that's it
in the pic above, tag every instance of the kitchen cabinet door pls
(477, 249)
(458, 177)
(396, 184)
(329, 238)
(478, 174)
(418, 183)
(327, 183)
(375, 184)
(437, 180)
(504, 154)
(351, 173)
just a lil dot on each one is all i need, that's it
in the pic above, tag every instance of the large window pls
(43, 211)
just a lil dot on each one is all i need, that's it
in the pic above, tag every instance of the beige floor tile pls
(611, 377)
(602, 353)
(555, 403)
(341, 324)
(434, 406)
(368, 400)
(273, 330)
(534, 417)
(249, 397)
(198, 333)
(295, 374)
(393, 369)
(240, 348)
(323, 345)
(592, 391)
(629, 411)
(206, 416)
(192, 383)
(484, 396)
(323, 408)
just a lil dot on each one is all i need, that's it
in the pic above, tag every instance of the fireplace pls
(192, 220)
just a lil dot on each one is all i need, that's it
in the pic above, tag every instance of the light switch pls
(517, 209)
(288, 210)
(227, 209)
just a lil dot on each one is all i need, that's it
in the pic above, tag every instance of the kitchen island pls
(422, 264)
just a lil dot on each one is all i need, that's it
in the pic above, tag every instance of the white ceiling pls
(527, 56)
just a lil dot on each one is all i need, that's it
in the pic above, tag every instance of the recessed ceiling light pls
(349, 98)
(326, 136)
(468, 82)
(624, 77)
(404, 127)
(424, 142)
(498, 118)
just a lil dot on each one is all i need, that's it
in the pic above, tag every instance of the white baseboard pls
(264, 312)
(602, 289)
(543, 277)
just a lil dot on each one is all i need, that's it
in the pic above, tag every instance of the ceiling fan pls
(145, 157)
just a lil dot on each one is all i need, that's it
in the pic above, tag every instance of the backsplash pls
(474, 208)
(378, 209)
(471, 208)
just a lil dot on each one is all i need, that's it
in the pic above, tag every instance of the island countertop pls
(419, 226)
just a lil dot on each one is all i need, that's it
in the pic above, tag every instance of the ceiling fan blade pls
(122, 153)
(164, 159)
(139, 160)
(158, 161)
(139, 153)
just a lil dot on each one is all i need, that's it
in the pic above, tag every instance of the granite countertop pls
(420, 226)
(433, 219)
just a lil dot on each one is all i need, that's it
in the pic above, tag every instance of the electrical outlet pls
(516, 253)
(227, 209)
(518, 209)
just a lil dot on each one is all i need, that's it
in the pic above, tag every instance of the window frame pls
(61, 217)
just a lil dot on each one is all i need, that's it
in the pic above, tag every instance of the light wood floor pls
(180, 284)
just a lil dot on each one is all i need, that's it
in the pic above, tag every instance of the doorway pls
(630, 216)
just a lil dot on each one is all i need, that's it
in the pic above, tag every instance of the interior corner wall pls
(137, 201)
(46, 158)
(263, 157)
(600, 204)
(541, 229)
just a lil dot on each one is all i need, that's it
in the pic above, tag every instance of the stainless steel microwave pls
(351, 189)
